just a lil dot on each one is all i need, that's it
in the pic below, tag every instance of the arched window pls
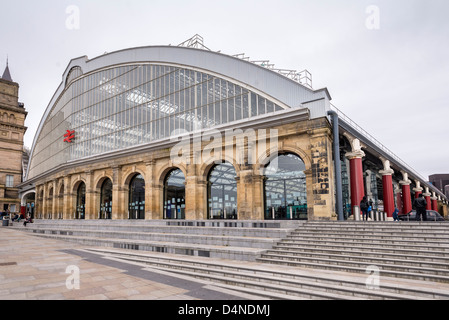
(81, 201)
(174, 195)
(50, 204)
(136, 204)
(222, 192)
(285, 188)
(106, 199)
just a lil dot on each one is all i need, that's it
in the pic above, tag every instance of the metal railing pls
(391, 156)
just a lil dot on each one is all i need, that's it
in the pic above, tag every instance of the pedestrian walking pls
(420, 205)
(364, 208)
(395, 214)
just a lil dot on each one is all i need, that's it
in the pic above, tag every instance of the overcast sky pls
(385, 63)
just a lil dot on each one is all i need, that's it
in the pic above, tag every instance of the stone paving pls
(33, 268)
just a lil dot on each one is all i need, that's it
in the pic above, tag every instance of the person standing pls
(395, 214)
(364, 208)
(420, 204)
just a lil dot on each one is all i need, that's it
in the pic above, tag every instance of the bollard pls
(356, 211)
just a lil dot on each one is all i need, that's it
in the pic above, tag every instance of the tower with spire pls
(6, 74)
(12, 131)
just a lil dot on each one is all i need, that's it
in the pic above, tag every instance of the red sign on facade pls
(69, 136)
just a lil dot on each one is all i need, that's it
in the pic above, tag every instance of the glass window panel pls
(253, 105)
(224, 111)
(261, 105)
(217, 117)
(231, 109)
(270, 107)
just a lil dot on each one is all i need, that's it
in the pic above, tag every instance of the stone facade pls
(311, 140)
(12, 131)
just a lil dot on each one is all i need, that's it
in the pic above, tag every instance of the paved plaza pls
(35, 268)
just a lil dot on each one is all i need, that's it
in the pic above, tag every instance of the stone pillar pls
(90, 211)
(418, 190)
(44, 201)
(406, 196)
(67, 208)
(355, 171)
(369, 193)
(387, 183)
(149, 191)
(53, 199)
(427, 195)
(196, 193)
(434, 201)
(250, 194)
(118, 198)
(321, 199)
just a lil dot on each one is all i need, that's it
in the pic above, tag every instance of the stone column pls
(434, 201)
(321, 202)
(355, 171)
(53, 200)
(67, 209)
(406, 196)
(196, 193)
(90, 211)
(418, 190)
(427, 195)
(387, 183)
(118, 199)
(44, 201)
(149, 190)
(250, 194)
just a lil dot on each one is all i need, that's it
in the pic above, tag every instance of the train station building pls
(183, 132)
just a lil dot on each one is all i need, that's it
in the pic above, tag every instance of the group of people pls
(419, 203)
(18, 218)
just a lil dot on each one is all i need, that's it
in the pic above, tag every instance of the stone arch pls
(264, 160)
(132, 201)
(130, 174)
(286, 194)
(99, 181)
(173, 210)
(102, 210)
(221, 194)
(208, 165)
(24, 196)
(162, 172)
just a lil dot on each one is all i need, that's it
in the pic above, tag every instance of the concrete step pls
(368, 247)
(372, 235)
(398, 241)
(342, 265)
(258, 224)
(374, 224)
(380, 252)
(407, 250)
(293, 284)
(393, 261)
(158, 228)
(217, 240)
(387, 245)
(191, 249)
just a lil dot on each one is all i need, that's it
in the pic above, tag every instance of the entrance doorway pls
(174, 195)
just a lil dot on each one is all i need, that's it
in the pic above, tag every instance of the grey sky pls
(392, 81)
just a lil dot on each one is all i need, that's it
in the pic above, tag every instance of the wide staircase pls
(411, 250)
(277, 259)
(227, 239)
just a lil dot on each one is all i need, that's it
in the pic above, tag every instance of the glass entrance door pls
(174, 195)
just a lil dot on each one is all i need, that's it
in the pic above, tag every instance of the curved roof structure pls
(141, 95)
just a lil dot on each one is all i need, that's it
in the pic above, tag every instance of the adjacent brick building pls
(12, 131)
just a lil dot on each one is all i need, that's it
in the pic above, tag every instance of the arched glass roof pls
(130, 105)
